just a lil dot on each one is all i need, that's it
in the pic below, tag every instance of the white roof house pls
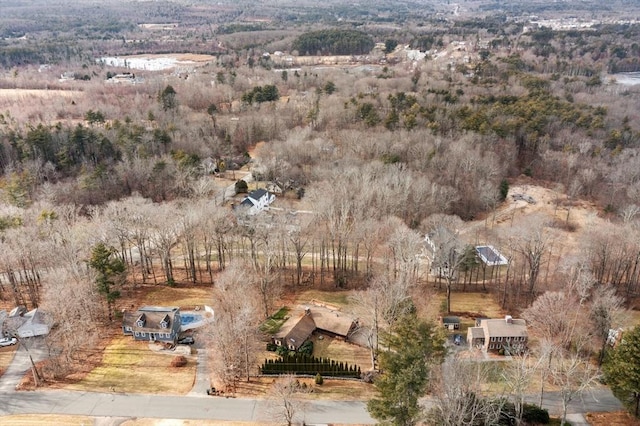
(35, 325)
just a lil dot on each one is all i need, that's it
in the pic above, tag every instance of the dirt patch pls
(619, 418)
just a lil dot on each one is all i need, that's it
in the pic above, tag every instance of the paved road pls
(197, 405)
(172, 407)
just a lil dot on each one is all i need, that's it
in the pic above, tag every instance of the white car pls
(8, 341)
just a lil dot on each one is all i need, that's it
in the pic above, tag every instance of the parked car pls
(457, 339)
(187, 340)
(8, 341)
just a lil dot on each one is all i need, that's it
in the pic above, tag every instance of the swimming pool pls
(195, 319)
(189, 318)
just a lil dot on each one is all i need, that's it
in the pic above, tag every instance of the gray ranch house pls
(153, 324)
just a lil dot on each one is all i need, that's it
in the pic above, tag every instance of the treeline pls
(333, 42)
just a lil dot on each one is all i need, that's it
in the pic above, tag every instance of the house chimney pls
(307, 311)
(508, 319)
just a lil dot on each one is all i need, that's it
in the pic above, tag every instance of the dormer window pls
(142, 319)
(165, 322)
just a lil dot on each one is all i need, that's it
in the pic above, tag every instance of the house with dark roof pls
(306, 320)
(451, 323)
(257, 201)
(153, 324)
(506, 334)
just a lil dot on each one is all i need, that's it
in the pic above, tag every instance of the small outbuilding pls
(451, 323)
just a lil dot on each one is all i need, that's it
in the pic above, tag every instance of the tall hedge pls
(299, 363)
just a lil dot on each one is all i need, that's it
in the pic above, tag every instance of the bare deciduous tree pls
(234, 333)
(573, 375)
(284, 398)
(457, 392)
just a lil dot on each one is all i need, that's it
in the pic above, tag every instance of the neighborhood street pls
(197, 405)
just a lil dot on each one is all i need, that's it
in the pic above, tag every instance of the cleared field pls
(131, 367)
(476, 305)
(338, 298)
(338, 350)
(179, 296)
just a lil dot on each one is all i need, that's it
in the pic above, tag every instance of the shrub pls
(272, 347)
(306, 348)
(533, 414)
(282, 350)
(178, 361)
(242, 187)
(319, 380)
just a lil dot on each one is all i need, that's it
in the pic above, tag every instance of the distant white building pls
(257, 201)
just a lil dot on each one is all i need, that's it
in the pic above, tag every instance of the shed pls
(451, 323)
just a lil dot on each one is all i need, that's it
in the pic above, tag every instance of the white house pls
(35, 325)
(257, 201)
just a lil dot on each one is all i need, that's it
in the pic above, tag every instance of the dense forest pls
(369, 153)
(333, 42)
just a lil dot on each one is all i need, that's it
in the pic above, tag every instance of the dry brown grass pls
(338, 298)
(46, 420)
(476, 305)
(339, 350)
(6, 355)
(185, 298)
(331, 389)
(619, 418)
(131, 367)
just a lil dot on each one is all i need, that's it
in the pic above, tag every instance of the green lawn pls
(130, 366)
(275, 321)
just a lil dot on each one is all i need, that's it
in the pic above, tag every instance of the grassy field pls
(338, 298)
(338, 350)
(130, 366)
(186, 298)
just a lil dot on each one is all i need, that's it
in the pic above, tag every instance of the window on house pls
(127, 328)
(143, 334)
(137, 334)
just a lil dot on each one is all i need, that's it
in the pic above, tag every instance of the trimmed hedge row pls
(299, 363)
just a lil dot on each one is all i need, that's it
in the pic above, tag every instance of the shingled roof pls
(150, 319)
